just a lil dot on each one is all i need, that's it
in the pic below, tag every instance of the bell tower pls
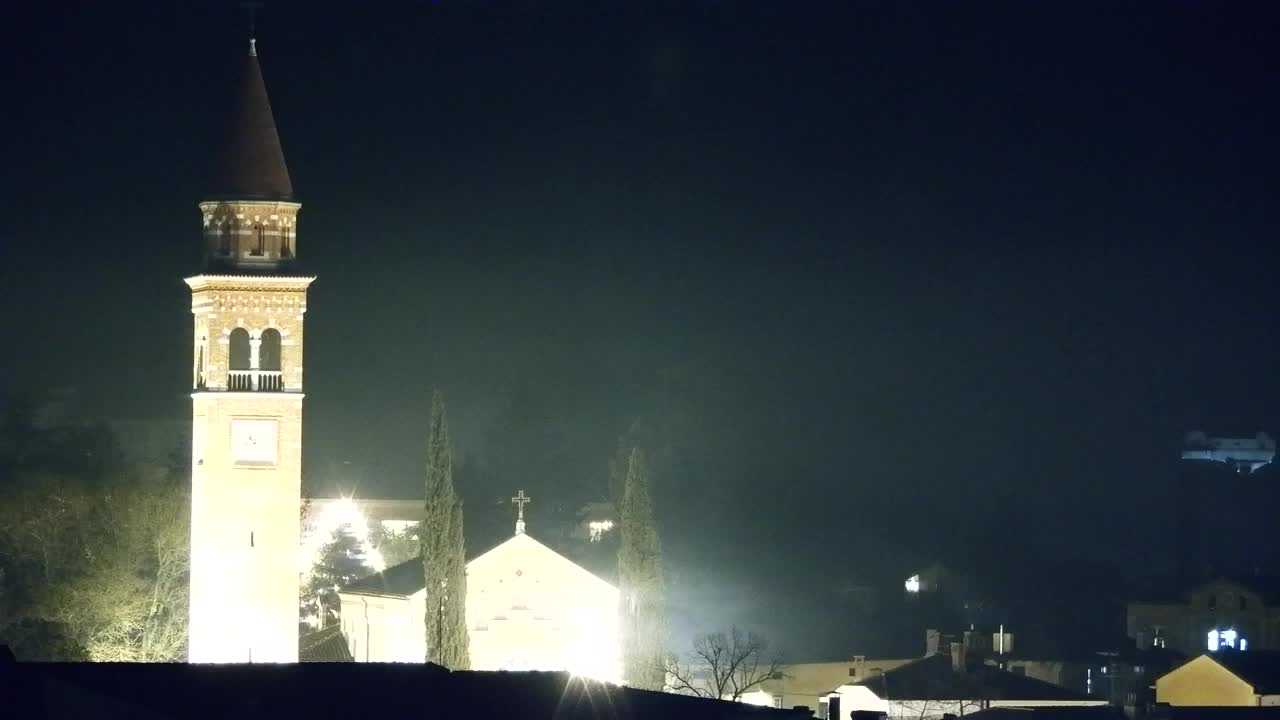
(246, 448)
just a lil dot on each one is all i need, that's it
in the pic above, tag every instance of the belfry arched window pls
(269, 350)
(239, 359)
(285, 233)
(224, 238)
(200, 367)
(241, 377)
(260, 239)
(270, 378)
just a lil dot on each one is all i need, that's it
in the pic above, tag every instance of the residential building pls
(945, 684)
(804, 684)
(1227, 678)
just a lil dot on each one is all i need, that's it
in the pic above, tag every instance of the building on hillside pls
(527, 608)
(1240, 613)
(945, 684)
(1228, 678)
(804, 684)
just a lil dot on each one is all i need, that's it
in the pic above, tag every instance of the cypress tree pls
(455, 610)
(620, 463)
(443, 555)
(643, 611)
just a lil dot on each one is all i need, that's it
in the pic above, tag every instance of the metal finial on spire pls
(252, 9)
(519, 501)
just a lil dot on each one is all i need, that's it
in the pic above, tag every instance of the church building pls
(527, 608)
(246, 381)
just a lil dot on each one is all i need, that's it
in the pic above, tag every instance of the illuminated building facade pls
(528, 608)
(1218, 615)
(248, 306)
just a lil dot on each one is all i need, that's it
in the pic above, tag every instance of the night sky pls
(901, 281)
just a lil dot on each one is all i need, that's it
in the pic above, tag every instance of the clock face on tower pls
(253, 441)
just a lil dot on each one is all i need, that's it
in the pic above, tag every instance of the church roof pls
(408, 577)
(400, 580)
(324, 645)
(251, 166)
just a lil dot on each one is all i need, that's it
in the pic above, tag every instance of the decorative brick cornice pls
(249, 282)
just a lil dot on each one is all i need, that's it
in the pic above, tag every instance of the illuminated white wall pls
(384, 629)
(244, 534)
(528, 608)
(757, 697)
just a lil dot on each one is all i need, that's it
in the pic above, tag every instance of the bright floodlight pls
(913, 584)
(593, 648)
(342, 513)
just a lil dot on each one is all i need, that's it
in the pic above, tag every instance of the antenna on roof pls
(251, 8)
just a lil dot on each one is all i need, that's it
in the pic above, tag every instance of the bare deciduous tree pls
(114, 563)
(724, 666)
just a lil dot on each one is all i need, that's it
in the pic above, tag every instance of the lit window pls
(1213, 641)
(913, 584)
(1244, 644)
(597, 529)
(1228, 638)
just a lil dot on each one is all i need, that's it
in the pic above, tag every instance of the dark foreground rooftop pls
(108, 690)
(1088, 712)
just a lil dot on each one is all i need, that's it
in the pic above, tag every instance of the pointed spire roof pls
(251, 165)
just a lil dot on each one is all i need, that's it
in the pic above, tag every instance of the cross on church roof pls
(519, 501)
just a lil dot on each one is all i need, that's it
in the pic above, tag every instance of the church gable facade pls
(528, 608)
